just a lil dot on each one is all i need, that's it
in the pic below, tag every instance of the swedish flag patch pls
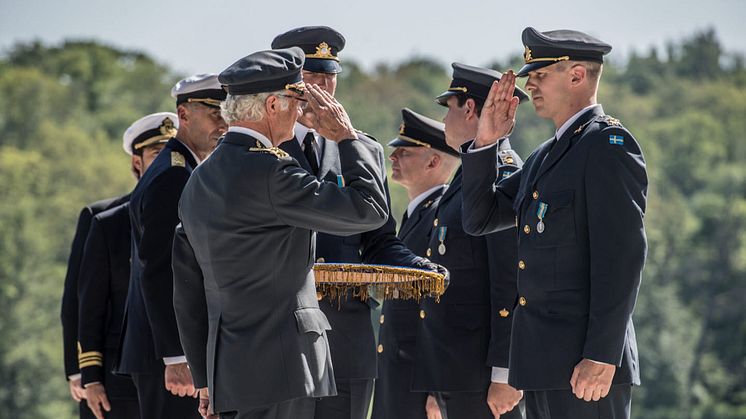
(616, 140)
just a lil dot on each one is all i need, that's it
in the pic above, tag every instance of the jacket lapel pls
(329, 159)
(563, 143)
(292, 147)
(414, 219)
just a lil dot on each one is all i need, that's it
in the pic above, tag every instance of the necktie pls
(310, 153)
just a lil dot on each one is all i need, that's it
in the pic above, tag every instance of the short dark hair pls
(479, 103)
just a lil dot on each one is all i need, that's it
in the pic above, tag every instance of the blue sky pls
(207, 36)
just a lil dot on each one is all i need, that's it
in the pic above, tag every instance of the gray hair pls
(248, 108)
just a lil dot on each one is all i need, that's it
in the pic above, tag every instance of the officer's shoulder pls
(273, 152)
(362, 135)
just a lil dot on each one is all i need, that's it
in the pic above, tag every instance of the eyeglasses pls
(302, 102)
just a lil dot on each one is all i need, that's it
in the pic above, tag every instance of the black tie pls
(310, 153)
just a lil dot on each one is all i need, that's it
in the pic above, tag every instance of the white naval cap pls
(200, 88)
(150, 129)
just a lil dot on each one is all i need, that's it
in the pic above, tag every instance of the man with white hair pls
(244, 291)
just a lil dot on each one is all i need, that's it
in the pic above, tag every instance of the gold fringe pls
(340, 280)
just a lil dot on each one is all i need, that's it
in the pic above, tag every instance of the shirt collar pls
(256, 134)
(421, 197)
(301, 130)
(569, 122)
(190, 150)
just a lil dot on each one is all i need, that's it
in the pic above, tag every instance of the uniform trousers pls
(291, 409)
(120, 409)
(471, 405)
(562, 404)
(158, 403)
(351, 402)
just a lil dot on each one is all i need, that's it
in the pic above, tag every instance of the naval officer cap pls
(473, 82)
(200, 88)
(265, 71)
(149, 130)
(547, 48)
(420, 131)
(321, 45)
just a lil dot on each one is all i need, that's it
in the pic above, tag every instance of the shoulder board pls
(280, 154)
(177, 159)
(506, 157)
(609, 120)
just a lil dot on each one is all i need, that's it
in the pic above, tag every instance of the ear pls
(577, 74)
(137, 166)
(272, 105)
(471, 108)
(434, 161)
(183, 113)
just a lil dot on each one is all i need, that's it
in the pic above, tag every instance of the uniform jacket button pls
(522, 301)
(429, 252)
(535, 195)
(320, 260)
(422, 314)
(380, 349)
(522, 264)
(526, 229)
(381, 319)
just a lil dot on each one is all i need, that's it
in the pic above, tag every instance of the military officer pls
(422, 162)
(245, 296)
(104, 280)
(150, 350)
(351, 339)
(579, 202)
(468, 332)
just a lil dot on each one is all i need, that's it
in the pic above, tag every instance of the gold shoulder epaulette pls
(506, 157)
(609, 120)
(177, 159)
(280, 154)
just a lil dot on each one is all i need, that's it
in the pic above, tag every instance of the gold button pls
(503, 313)
(381, 320)
(435, 222)
(320, 260)
(526, 229)
(380, 349)
(536, 195)
(429, 252)
(319, 295)
(522, 264)
(522, 301)
(422, 314)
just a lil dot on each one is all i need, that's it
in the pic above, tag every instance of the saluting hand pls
(97, 399)
(498, 113)
(592, 380)
(332, 121)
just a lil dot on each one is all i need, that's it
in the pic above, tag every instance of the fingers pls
(204, 405)
(574, 379)
(492, 95)
(493, 409)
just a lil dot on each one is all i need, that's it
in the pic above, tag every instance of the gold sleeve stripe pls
(90, 353)
(91, 364)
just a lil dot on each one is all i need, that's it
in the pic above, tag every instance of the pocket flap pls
(311, 320)
(559, 200)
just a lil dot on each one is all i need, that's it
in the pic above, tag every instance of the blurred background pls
(75, 74)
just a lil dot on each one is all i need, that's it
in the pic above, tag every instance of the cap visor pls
(322, 66)
(523, 72)
(442, 98)
(398, 142)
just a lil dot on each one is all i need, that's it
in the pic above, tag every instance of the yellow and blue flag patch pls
(616, 139)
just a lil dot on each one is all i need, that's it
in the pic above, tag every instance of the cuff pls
(599, 362)
(499, 375)
(472, 149)
(74, 377)
(90, 384)
(171, 360)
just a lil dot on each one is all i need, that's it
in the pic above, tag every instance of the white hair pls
(249, 108)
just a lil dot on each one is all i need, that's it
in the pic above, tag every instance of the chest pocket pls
(559, 220)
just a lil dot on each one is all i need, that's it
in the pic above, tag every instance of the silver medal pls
(540, 227)
(442, 248)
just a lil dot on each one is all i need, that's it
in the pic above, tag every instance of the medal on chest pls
(441, 239)
(541, 211)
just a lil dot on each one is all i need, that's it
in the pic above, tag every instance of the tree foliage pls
(66, 106)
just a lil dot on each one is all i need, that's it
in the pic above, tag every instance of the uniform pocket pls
(311, 320)
(559, 220)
